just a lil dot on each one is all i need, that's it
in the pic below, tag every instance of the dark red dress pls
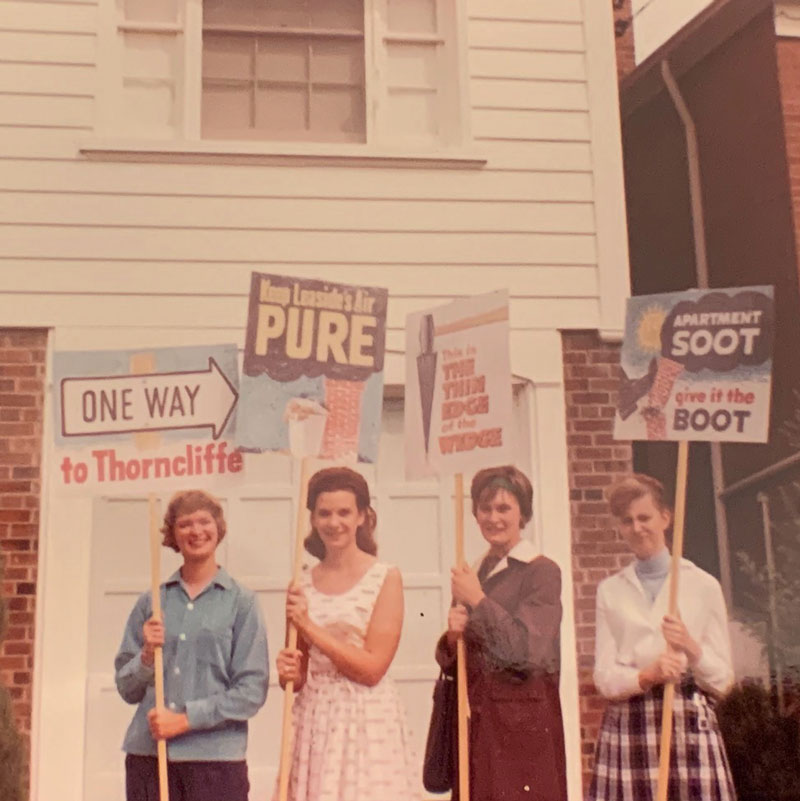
(513, 661)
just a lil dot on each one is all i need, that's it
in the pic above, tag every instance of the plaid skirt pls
(626, 758)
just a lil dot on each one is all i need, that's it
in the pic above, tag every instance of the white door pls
(415, 532)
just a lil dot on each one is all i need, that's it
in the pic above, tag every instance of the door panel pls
(415, 532)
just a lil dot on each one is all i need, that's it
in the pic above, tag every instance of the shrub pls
(762, 745)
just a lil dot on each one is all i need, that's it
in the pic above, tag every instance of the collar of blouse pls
(523, 551)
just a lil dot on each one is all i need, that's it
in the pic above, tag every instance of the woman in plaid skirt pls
(640, 648)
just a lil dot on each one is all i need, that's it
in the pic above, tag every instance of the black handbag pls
(441, 748)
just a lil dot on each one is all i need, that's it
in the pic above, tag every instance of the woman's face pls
(644, 526)
(336, 519)
(196, 535)
(500, 521)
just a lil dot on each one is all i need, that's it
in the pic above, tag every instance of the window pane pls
(336, 110)
(282, 59)
(412, 16)
(150, 55)
(227, 56)
(337, 61)
(337, 14)
(282, 110)
(284, 68)
(412, 65)
(232, 12)
(413, 113)
(150, 10)
(330, 14)
(148, 104)
(281, 13)
(226, 106)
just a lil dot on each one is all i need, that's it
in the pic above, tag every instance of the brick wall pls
(624, 30)
(595, 462)
(22, 366)
(789, 77)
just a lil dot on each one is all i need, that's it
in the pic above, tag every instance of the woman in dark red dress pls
(508, 611)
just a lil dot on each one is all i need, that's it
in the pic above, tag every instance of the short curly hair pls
(633, 487)
(489, 481)
(184, 503)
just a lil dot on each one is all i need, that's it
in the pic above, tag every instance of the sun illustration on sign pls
(648, 331)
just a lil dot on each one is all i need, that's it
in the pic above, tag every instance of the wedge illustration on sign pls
(458, 386)
(126, 404)
(426, 370)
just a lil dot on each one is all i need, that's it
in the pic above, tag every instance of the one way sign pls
(123, 404)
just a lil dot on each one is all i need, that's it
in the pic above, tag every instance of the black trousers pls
(188, 781)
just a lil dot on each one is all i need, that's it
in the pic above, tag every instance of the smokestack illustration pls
(343, 424)
(660, 391)
(426, 370)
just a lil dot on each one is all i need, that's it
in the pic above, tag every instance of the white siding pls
(530, 209)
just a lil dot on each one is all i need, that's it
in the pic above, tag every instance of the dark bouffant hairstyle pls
(487, 483)
(633, 487)
(184, 503)
(333, 479)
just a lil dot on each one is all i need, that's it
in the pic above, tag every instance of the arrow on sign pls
(128, 404)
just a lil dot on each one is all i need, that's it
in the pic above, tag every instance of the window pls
(334, 71)
(284, 70)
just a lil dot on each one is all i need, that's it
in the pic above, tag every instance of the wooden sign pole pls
(461, 658)
(155, 590)
(677, 553)
(288, 696)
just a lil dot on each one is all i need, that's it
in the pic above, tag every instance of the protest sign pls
(312, 382)
(130, 421)
(458, 387)
(458, 419)
(122, 421)
(312, 386)
(697, 366)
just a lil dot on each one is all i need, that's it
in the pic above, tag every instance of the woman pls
(639, 648)
(351, 742)
(509, 614)
(216, 668)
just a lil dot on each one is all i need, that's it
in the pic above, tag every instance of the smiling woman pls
(639, 649)
(643, 516)
(216, 668)
(508, 611)
(351, 739)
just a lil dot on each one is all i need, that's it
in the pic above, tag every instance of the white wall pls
(157, 233)
(122, 250)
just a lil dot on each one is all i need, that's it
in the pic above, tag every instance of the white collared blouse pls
(523, 551)
(629, 634)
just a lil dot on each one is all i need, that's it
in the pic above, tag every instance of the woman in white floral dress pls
(351, 741)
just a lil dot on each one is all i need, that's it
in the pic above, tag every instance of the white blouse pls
(629, 634)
